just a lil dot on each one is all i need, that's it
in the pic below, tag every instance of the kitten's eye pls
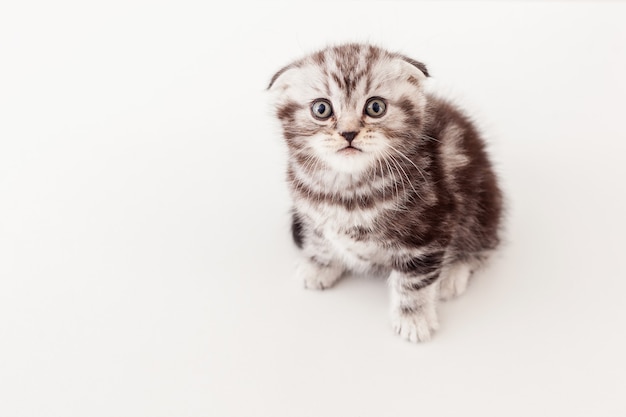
(321, 109)
(375, 107)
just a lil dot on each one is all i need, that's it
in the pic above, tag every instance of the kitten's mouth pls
(349, 150)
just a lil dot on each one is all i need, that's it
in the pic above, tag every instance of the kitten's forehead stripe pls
(326, 87)
(368, 83)
(348, 68)
(339, 82)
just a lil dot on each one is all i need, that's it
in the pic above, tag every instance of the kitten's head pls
(348, 106)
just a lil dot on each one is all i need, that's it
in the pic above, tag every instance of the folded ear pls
(278, 74)
(420, 66)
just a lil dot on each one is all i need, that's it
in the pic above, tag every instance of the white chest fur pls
(337, 225)
(359, 254)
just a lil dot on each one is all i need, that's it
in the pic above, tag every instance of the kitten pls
(384, 176)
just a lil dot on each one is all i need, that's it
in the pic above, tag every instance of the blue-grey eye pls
(321, 109)
(375, 107)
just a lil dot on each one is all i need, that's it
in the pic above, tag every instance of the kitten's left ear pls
(420, 66)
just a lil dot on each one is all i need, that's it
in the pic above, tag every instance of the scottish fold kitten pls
(384, 176)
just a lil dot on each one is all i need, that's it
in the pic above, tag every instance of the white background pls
(146, 267)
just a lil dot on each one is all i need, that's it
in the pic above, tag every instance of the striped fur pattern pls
(410, 192)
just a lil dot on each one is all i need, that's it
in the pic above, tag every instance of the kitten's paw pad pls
(416, 327)
(454, 281)
(317, 277)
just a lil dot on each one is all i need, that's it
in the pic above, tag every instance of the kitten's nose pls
(349, 136)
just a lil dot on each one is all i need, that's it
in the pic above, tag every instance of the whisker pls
(412, 163)
(425, 136)
(401, 175)
(382, 176)
(393, 178)
(401, 202)
(395, 166)
(407, 177)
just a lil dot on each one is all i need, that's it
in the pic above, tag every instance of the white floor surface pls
(146, 267)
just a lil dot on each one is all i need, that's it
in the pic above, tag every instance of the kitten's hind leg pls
(318, 276)
(454, 279)
(455, 276)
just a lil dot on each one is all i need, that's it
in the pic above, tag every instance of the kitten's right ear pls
(278, 74)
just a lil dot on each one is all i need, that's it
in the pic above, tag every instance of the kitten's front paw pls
(318, 277)
(414, 326)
